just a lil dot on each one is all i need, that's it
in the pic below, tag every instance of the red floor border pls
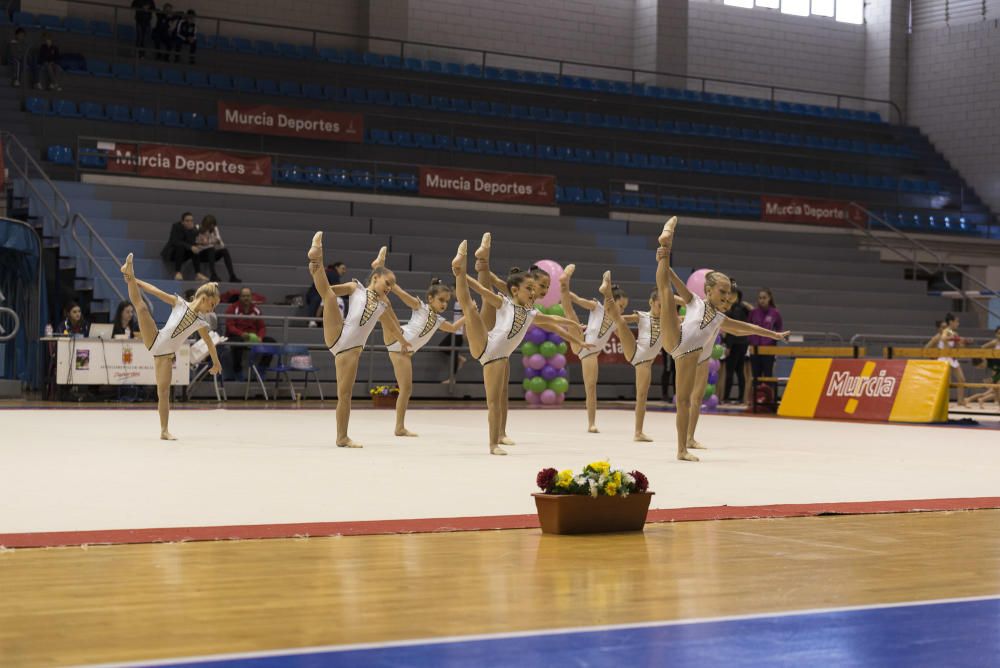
(446, 524)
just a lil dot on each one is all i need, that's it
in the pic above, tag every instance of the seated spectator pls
(74, 323)
(124, 325)
(49, 72)
(163, 31)
(185, 34)
(143, 24)
(182, 246)
(246, 326)
(17, 56)
(335, 273)
(211, 246)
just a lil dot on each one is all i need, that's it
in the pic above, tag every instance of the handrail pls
(916, 245)
(482, 56)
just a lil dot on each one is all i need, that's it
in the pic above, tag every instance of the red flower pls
(641, 481)
(546, 479)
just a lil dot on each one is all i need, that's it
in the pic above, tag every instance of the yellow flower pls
(617, 478)
(601, 467)
(564, 478)
(611, 489)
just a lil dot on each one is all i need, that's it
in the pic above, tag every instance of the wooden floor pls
(101, 604)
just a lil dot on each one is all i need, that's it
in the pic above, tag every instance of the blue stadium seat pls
(245, 84)
(407, 182)
(314, 92)
(602, 157)
(60, 155)
(441, 103)
(487, 146)
(193, 121)
(403, 139)
(332, 55)
(372, 59)
(424, 140)
(354, 58)
(481, 108)
(119, 113)
(65, 108)
(101, 29)
(242, 45)
(286, 50)
(197, 79)
(385, 181)
(583, 155)
(413, 64)
(98, 68)
(466, 145)
(290, 89)
(50, 23)
(460, 105)
(126, 33)
(316, 176)
(443, 143)
(174, 77)
(220, 81)
(492, 73)
(223, 43)
(546, 79)
(526, 149)
(420, 101)
(149, 74)
(473, 70)
(381, 137)
(93, 111)
(123, 71)
(170, 118)
(594, 196)
(267, 87)
(362, 179)
(25, 20)
(93, 160)
(38, 106)
(393, 62)
(76, 25)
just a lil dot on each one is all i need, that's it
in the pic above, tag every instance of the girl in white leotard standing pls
(492, 347)
(947, 337)
(346, 337)
(185, 319)
(600, 327)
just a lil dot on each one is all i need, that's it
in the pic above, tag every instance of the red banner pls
(264, 119)
(189, 163)
(812, 211)
(487, 186)
(860, 389)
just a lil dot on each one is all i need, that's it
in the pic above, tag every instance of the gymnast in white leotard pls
(184, 320)
(493, 346)
(346, 336)
(425, 321)
(600, 327)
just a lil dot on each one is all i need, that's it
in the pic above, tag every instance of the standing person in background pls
(49, 71)
(17, 56)
(163, 31)
(947, 337)
(143, 24)
(124, 324)
(74, 323)
(247, 326)
(736, 350)
(765, 315)
(186, 34)
(211, 248)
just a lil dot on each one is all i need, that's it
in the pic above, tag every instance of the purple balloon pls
(713, 377)
(525, 361)
(535, 335)
(549, 398)
(532, 398)
(549, 372)
(711, 403)
(558, 360)
(529, 372)
(718, 338)
(560, 398)
(555, 338)
(564, 373)
(714, 365)
(536, 362)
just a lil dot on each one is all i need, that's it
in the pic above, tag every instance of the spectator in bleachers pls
(736, 350)
(74, 323)
(49, 72)
(246, 326)
(765, 315)
(186, 34)
(163, 31)
(124, 324)
(336, 273)
(17, 56)
(182, 246)
(143, 24)
(211, 248)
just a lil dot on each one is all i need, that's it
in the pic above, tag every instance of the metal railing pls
(217, 26)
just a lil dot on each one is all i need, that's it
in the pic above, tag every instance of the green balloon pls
(709, 391)
(548, 349)
(717, 352)
(683, 311)
(559, 385)
(536, 384)
(556, 309)
(526, 384)
(562, 348)
(528, 348)
(539, 308)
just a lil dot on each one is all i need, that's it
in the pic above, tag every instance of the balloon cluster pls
(710, 400)
(543, 354)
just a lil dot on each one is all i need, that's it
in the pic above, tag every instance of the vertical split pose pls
(600, 326)
(424, 321)
(514, 315)
(346, 336)
(184, 320)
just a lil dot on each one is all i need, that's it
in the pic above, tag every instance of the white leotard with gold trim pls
(511, 325)
(419, 328)
(364, 308)
(181, 324)
(699, 330)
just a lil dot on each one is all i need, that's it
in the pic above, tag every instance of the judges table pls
(113, 362)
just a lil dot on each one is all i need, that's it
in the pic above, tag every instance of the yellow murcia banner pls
(851, 389)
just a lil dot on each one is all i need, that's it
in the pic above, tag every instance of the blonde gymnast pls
(184, 320)
(346, 336)
(514, 315)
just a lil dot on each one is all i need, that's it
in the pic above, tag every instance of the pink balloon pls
(714, 365)
(549, 398)
(536, 362)
(554, 270)
(696, 282)
(557, 361)
(532, 398)
(560, 397)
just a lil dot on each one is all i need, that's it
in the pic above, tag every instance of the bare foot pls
(458, 265)
(642, 438)
(507, 440)
(379, 260)
(315, 253)
(127, 270)
(167, 436)
(348, 443)
(404, 432)
(605, 288)
(201, 277)
(695, 445)
(687, 457)
(592, 429)
(566, 275)
(666, 237)
(483, 252)
(497, 450)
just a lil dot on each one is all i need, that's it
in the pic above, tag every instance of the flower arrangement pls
(596, 479)
(383, 391)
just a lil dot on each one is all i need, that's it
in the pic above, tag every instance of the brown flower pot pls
(385, 401)
(574, 513)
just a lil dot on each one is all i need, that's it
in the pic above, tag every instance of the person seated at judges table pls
(124, 324)
(247, 326)
(74, 323)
